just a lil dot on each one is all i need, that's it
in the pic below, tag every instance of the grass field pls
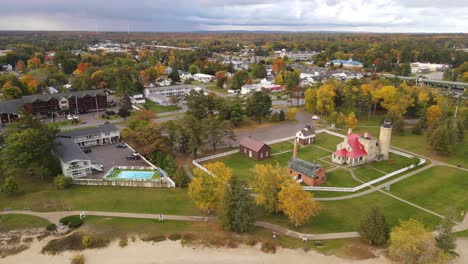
(344, 215)
(439, 189)
(14, 222)
(40, 195)
(340, 178)
(156, 108)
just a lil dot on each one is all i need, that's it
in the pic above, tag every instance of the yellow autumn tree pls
(266, 182)
(394, 101)
(351, 120)
(433, 114)
(31, 83)
(310, 97)
(207, 190)
(291, 113)
(411, 243)
(326, 98)
(296, 203)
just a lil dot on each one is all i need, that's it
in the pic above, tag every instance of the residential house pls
(99, 135)
(9, 110)
(137, 99)
(172, 90)
(306, 136)
(163, 81)
(345, 63)
(204, 78)
(254, 149)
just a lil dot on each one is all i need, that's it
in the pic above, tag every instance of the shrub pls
(72, 221)
(77, 259)
(51, 227)
(9, 187)
(175, 237)
(232, 243)
(61, 182)
(268, 247)
(86, 241)
(123, 242)
(73, 242)
(154, 238)
(251, 242)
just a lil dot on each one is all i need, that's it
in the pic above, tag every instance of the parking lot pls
(109, 156)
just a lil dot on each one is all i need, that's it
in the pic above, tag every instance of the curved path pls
(54, 217)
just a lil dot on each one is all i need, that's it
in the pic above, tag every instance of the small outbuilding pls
(309, 173)
(254, 149)
(306, 136)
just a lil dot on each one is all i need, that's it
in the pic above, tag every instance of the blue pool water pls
(135, 175)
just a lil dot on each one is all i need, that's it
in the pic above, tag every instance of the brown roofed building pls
(254, 149)
(307, 172)
(306, 136)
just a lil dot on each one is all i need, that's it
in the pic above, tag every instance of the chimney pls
(366, 135)
(350, 130)
(295, 148)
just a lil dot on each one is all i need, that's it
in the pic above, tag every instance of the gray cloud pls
(188, 15)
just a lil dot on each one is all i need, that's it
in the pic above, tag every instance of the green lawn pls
(344, 215)
(14, 222)
(327, 141)
(40, 195)
(242, 166)
(394, 162)
(156, 108)
(438, 188)
(282, 146)
(367, 173)
(462, 233)
(340, 178)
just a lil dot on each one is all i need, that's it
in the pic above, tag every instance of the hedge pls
(72, 221)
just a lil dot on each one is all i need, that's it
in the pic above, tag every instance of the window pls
(290, 171)
(299, 176)
(261, 155)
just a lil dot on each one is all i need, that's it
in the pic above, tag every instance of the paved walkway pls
(54, 217)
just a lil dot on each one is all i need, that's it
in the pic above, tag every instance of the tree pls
(29, 82)
(291, 114)
(143, 134)
(221, 79)
(439, 139)
(411, 243)
(29, 147)
(374, 227)
(445, 239)
(310, 99)
(9, 187)
(259, 70)
(213, 128)
(278, 65)
(396, 102)
(267, 183)
(433, 115)
(200, 105)
(11, 92)
(239, 79)
(351, 120)
(62, 182)
(296, 203)
(20, 66)
(193, 69)
(237, 210)
(281, 116)
(207, 190)
(174, 75)
(258, 105)
(86, 241)
(34, 63)
(326, 98)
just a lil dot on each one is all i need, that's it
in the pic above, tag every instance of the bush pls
(86, 241)
(51, 227)
(73, 242)
(9, 187)
(77, 259)
(175, 237)
(61, 182)
(72, 221)
(251, 242)
(268, 247)
(274, 117)
(154, 238)
(123, 242)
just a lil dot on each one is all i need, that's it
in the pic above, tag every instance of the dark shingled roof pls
(252, 144)
(10, 106)
(68, 151)
(308, 131)
(89, 131)
(304, 167)
(57, 96)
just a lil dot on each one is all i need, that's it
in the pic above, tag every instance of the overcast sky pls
(194, 15)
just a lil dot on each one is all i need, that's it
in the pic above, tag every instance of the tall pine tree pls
(374, 228)
(236, 209)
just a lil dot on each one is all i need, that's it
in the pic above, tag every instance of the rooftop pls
(252, 143)
(89, 131)
(304, 167)
(68, 151)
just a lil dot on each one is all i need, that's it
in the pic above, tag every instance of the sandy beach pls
(174, 252)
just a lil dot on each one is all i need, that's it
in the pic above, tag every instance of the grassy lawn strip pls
(345, 215)
(438, 188)
(41, 195)
(462, 233)
(367, 173)
(340, 178)
(156, 108)
(14, 222)
(282, 146)
(327, 141)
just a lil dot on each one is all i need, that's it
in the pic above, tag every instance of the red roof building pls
(356, 149)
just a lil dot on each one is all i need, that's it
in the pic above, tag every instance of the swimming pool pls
(135, 175)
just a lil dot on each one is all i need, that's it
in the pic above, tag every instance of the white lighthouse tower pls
(384, 139)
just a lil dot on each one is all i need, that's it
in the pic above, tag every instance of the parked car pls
(87, 150)
(131, 157)
(110, 112)
(315, 117)
(72, 117)
(120, 145)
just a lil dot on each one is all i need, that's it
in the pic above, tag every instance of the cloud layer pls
(193, 15)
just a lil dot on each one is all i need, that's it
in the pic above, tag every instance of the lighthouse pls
(384, 139)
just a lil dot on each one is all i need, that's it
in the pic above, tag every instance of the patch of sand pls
(173, 252)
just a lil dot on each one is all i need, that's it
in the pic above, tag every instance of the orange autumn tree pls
(81, 68)
(433, 114)
(34, 63)
(20, 66)
(30, 83)
(279, 65)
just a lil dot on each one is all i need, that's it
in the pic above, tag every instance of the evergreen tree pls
(439, 140)
(236, 209)
(445, 239)
(282, 116)
(374, 227)
(258, 105)
(174, 75)
(9, 187)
